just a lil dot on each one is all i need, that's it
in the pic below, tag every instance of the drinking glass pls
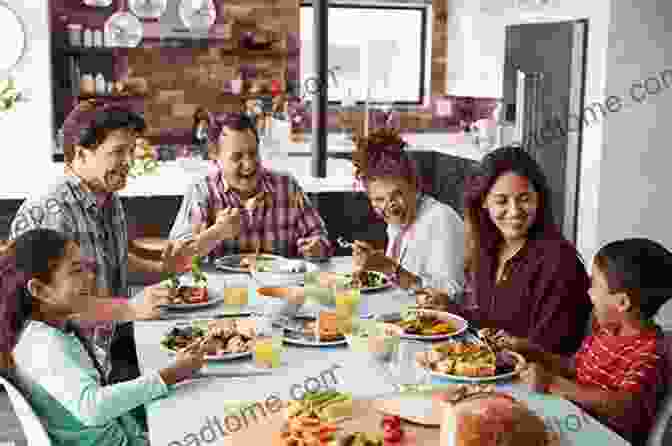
(236, 295)
(406, 374)
(348, 299)
(267, 349)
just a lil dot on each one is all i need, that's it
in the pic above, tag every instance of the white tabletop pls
(190, 406)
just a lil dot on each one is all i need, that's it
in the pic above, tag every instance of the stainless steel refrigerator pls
(543, 92)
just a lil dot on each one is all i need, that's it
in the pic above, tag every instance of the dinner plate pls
(387, 284)
(196, 306)
(279, 276)
(484, 379)
(232, 263)
(459, 321)
(224, 357)
(296, 338)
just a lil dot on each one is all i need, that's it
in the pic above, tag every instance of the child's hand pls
(538, 378)
(187, 362)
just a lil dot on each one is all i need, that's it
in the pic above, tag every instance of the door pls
(544, 75)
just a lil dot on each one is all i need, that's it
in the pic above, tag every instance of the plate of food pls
(328, 406)
(223, 340)
(471, 362)
(427, 325)
(244, 263)
(192, 290)
(367, 281)
(282, 271)
(310, 331)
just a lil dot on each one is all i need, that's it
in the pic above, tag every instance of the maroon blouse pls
(543, 295)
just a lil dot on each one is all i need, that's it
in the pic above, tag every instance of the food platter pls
(439, 319)
(380, 281)
(282, 271)
(185, 307)
(229, 339)
(232, 263)
(298, 331)
(470, 362)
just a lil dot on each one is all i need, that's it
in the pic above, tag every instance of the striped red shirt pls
(623, 363)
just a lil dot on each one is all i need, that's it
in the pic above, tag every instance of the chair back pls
(661, 433)
(33, 428)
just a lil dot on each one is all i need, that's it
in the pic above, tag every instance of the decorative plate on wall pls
(198, 15)
(97, 3)
(123, 29)
(14, 38)
(148, 9)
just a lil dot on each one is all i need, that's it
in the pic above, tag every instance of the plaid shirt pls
(71, 209)
(282, 215)
(623, 363)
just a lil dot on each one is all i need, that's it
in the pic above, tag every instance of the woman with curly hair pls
(426, 237)
(522, 275)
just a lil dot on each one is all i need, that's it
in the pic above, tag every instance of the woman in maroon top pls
(523, 276)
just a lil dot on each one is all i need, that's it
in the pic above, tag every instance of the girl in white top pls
(425, 237)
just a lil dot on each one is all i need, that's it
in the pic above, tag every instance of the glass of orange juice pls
(348, 299)
(236, 295)
(267, 348)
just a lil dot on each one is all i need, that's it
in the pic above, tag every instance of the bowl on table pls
(279, 302)
(285, 272)
(378, 339)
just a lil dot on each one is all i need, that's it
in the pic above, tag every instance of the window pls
(386, 44)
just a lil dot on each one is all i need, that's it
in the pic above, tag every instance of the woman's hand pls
(537, 378)
(366, 258)
(431, 298)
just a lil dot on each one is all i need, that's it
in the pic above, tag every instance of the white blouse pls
(433, 248)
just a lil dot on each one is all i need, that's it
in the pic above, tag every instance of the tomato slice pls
(198, 295)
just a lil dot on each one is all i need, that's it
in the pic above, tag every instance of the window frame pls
(425, 44)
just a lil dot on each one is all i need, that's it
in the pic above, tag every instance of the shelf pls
(109, 51)
(84, 51)
(111, 97)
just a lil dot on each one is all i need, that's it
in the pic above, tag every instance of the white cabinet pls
(475, 49)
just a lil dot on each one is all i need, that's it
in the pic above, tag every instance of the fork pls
(344, 243)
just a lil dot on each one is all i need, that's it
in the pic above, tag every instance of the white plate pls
(227, 263)
(226, 357)
(484, 379)
(281, 278)
(386, 285)
(183, 307)
(461, 322)
(306, 343)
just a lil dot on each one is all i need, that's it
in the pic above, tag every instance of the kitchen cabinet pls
(474, 50)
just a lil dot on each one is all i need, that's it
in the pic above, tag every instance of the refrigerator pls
(543, 94)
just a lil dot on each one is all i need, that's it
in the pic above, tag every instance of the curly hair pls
(383, 154)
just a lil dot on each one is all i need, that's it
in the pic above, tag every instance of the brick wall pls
(181, 79)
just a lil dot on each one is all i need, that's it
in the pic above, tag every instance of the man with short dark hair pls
(241, 207)
(84, 205)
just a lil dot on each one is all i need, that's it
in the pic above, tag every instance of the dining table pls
(229, 398)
